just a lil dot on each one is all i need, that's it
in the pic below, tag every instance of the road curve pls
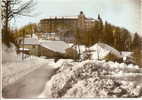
(31, 85)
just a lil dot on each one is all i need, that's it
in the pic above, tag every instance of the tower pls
(81, 20)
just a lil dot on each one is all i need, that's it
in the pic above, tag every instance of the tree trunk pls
(6, 35)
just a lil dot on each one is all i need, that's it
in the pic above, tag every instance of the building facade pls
(52, 24)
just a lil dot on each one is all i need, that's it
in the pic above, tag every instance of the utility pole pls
(23, 45)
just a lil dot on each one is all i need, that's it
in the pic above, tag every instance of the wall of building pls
(48, 53)
(34, 49)
(51, 24)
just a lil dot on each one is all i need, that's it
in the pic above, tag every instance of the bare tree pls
(10, 9)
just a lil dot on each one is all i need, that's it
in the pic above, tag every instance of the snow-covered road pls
(31, 85)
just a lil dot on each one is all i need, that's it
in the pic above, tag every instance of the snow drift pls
(94, 79)
(8, 54)
(14, 68)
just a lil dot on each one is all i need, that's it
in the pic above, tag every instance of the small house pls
(53, 49)
(32, 44)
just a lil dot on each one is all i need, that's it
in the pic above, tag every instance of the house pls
(50, 36)
(32, 44)
(49, 48)
(67, 37)
(52, 49)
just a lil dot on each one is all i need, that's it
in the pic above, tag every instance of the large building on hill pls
(52, 24)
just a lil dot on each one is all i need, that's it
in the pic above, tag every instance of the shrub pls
(71, 53)
(138, 57)
(113, 57)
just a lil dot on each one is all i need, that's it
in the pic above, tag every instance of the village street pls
(31, 85)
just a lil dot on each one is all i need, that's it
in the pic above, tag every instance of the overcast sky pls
(123, 13)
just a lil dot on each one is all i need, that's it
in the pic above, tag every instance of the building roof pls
(52, 33)
(103, 50)
(65, 17)
(61, 17)
(31, 41)
(56, 46)
(24, 49)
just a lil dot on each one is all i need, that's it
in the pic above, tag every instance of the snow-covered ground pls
(15, 70)
(95, 79)
(90, 78)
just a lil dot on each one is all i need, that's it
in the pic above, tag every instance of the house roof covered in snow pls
(57, 46)
(31, 41)
(126, 53)
(103, 50)
(24, 49)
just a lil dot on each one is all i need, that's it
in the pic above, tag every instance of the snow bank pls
(59, 63)
(8, 54)
(94, 79)
(13, 67)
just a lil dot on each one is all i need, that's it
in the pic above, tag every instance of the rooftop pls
(56, 46)
(31, 41)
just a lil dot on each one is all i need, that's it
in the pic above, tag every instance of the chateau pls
(52, 24)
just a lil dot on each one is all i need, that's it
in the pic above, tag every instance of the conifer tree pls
(100, 28)
(108, 34)
(136, 44)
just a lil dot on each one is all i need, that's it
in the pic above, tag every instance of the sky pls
(123, 13)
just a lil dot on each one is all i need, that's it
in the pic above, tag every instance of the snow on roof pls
(61, 17)
(70, 17)
(126, 54)
(34, 36)
(32, 41)
(90, 18)
(67, 17)
(103, 50)
(25, 49)
(50, 33)
(57, 46)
